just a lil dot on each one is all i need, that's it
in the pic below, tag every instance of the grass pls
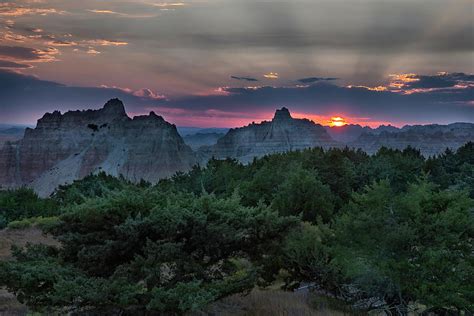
(269, 302)
(320, 302)
(44, 223)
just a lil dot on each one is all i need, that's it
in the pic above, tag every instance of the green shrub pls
(147, 253)
(47, 223)
(21, 224)
(373, 232)
(22, 203)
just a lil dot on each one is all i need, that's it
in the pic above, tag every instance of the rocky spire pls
(282, 114)
(114, 108)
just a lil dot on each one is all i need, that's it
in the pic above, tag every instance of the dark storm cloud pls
(326, 99)
(440, 81)
(244, 78)
(28, 98)
(13, 65)
(19, 52)
(26, 54)
(315, 79)
(360, 41)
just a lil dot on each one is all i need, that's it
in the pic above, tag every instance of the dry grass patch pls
(270, 302)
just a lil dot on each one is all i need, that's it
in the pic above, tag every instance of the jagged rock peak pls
(282, 114)
(66, 147)
(114, 107)
(111, 111)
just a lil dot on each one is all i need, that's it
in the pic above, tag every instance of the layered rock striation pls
(66, 147)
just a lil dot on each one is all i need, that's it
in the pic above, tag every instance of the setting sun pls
(337, 121)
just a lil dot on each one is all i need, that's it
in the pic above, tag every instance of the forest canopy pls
(381, 231)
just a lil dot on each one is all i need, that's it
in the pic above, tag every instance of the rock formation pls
(66, 147)
(282, 134)
(429, 139)
(350, 132)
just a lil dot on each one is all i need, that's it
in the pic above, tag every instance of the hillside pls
(283, 133)
(65, 147)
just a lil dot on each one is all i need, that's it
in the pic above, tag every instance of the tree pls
(92, 186)
(303, 193)
(24, 203)
(307, 257)
(398, 167)
(137, 251)
(413, 246)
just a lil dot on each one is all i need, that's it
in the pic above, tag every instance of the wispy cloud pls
(244, 78)
(27, 54)
(409, 83)
(13, 65)
(377, 88)
(148, 94)
(271, 75)
(121, 14)
(10, 9)
(315, 79)
(62, 43)
(11, 36)
(92, 51)
(105, 42)
(143, 93)
(168, 4)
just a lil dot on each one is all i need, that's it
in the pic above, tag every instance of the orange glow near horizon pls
(346, 120)
(337, 121)
(215, 118)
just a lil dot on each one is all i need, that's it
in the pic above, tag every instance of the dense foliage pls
(415, 245)
(24, 203)
(382, 231)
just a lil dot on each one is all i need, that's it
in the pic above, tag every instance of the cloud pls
(148, 94)
(10, 36)
(104, 42)
(143, 93)
(10, 9)
(92, 51)
(20, 53)
(377, 88)
(414, 83)
(315, 79)
(105, 12)
(12, 64)
(120, 14)
(27, 98)
(307, 39)
(271, 75)
(62, 43)
(168, 4)
(244, 78)
(322, 99)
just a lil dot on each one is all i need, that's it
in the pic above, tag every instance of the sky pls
(226, 63)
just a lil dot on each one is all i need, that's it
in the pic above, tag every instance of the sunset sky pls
(226, 63)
